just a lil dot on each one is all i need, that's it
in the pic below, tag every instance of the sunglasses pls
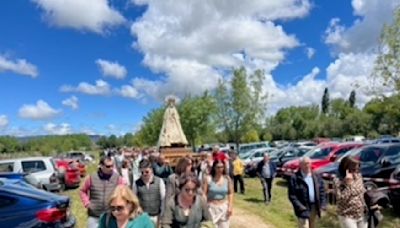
(190, 190)
(146, 172)
(117, 208)
(108, 166)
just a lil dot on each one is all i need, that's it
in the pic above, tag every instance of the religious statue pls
(171, 134)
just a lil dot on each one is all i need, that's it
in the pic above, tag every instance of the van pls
(41, 171)
(243, 148)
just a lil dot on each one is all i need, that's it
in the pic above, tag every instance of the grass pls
(278, 214)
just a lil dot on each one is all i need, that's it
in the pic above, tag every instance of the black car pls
(377, 161)
(394, 192)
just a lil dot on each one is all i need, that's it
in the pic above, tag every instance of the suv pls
(41, 171)
(321, 156)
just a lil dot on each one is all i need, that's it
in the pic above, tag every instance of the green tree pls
(196, 117)
(151, 127)
(240, 109)
(352, 98)
(387, 65)
(325, 101)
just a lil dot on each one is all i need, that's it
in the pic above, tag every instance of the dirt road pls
(243, 219)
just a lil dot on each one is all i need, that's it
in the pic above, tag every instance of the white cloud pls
(40, 111)
(101, 88)
(71, 102)
(112, 69)
(61, 129)
(310, 52)
(348, 72)
(192, 41)
(363, 34)
(3, 122)
(19, 66)
(128, 91)
(90, 15)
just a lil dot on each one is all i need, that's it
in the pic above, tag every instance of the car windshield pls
(318, 153)
(351, 153)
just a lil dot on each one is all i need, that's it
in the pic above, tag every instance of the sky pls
(99, 66)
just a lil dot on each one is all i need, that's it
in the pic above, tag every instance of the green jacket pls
(142, 221)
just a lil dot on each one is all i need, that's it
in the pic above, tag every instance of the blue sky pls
(98, 66)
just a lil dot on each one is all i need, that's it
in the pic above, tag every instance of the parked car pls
(41, 171)
(394, 193)
(251, 146)
(256, 155)
(79, 155)
(69, 173)
(321, 156)
(377, 161)
(22, 205)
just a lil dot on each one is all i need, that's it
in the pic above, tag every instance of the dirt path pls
(242, 218)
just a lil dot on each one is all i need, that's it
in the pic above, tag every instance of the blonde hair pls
(125, 193)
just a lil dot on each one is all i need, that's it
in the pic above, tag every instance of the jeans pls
(267, 185)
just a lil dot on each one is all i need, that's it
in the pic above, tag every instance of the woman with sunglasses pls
(187, 209)
(124, 211)
(349, 189)
(184, 165)
(218, 189)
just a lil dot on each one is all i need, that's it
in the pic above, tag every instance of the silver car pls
(41, 171)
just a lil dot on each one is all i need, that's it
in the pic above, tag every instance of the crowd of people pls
(140, 189)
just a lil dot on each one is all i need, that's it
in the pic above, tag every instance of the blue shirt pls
(310, 183)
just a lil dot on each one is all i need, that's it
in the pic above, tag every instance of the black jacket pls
(272, 168)
(299, 197)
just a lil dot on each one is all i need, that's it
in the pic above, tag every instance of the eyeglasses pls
(108, 166)
(117, 208)
(190, 190)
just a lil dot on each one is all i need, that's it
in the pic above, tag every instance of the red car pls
(70, 174)
(320, 156)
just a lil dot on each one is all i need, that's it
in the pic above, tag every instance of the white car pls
(41, 171)
(257, 155)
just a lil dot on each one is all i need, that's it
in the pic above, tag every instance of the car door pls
(388, 162)
(369, 161)
(37, 172)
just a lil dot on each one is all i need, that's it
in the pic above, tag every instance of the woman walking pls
(218, 190)
(125, 211)
(187, 209)
(349, 188)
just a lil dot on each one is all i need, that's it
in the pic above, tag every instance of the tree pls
(196, 114)
(352, 98)
(387, 65)
(151, 127)
(240, 109)
(325, 102)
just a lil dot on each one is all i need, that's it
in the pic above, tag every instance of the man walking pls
(266, 171)
(150, 191)
(238, 170)
(97, 188)
(306, 193)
